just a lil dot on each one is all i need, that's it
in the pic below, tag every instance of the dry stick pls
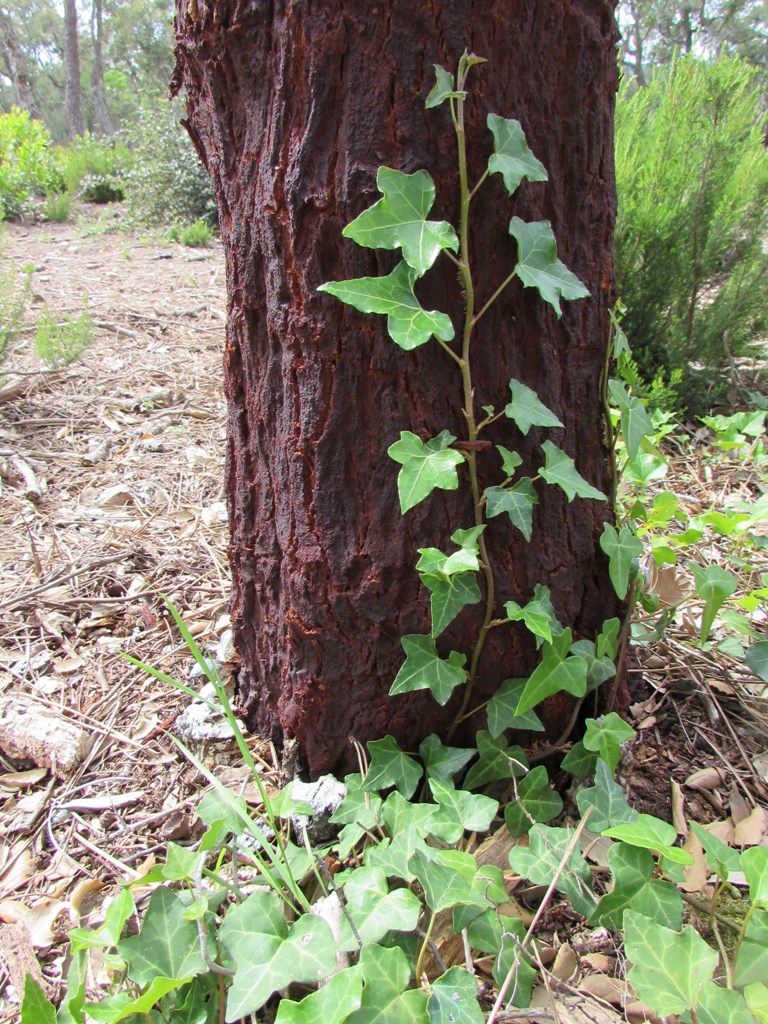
(63, 578)
(537, 917)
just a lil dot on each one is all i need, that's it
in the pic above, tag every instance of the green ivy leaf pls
(330, 1004)
(443, 89)
(608, 640)
(526, 409)
(752, 961)
(669, 969)
(398, 814)
(269, 955)
(622, 548)
(446, 877)
(651, 833)
(424, 669)
(121, 1005)
(117, 913)
(495, 761)
(393, 857)
(556, 672)
(453, 999)
(408, 323)
(460, 812)
(450, 595)
(391, 767)
(512, 158)
(754, 864)
(540, 861)
(719, 1005)
(386, 996)
(560, 469)
(538, 615)
(517, 502)
(509, 460)
(167, 945)
(441, 762)
(509, 958)
(598, 669)
(374, 909)
(721, 859)
(399, 220)
(425, 466)
(535, 799)
(607, 800)
(714, 586)
(35, 1008)
(605, 735)
(635, 887)
(538, 266)
(756, 996)
(635, 421)
(502, 714)
(359, 806)
(757, 659)
(579, 761)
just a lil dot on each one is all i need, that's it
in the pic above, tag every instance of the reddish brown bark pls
(293, 105)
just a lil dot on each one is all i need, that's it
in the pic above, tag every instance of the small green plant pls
(58, 206)
(14, 291)
(59, 342)
(94, 169)
(27, 166)
(196, 235)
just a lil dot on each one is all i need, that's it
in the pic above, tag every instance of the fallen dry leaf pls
(613, 990)
(16, 865)
(678, 809)
(696, 874)
(566, 963)
(22, 780)
(706, 778)
(750, 830)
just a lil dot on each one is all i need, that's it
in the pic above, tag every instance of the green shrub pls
(196, 234)
(58, 206)
(692, 177)
(167, 184)
(58, 342)
(27, 166)
(95, 169)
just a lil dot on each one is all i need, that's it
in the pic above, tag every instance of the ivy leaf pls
(450, 594)
(332, 1003)
(386, 997)
(358, 806)
(446, 877)
(393, 857)
(605, 735)
(635, 421)
(598, 669)
(121, 1005)
(757, 659)
(35, 1008)
(540, 861)
(651, 833)
(509, 460)
(512, 158)
(621, 547)
(441, 762)
(502, 714)
(607, 800)
(461, 811)
(269, 955)
(167, 945)
(538, 615)
(408, 323)
(579, 761)
(398, 814)
(517, 502)
(719, 1005)
(443, 89)
(608, 640)
(556, 672)
(509, 959)
(374, 909)
(754, 864)
(399, 220)
(391, 767)
(721, 859)
(535, 799)
(453, 999)
(560, 469)
(495, 761)
(752, 961)
(538, 265)
(635, 887)
(425, 466)
(714, 586)
(526, 409)
(669, 969)
(424, 669)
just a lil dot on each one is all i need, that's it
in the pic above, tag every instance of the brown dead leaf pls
(668, 586)
(696, 874)
(599, 962)
(12, 911)
(678, 809)
(16, 865)
(722, 830)
(739, 806)
(566, 963)
(615, 991)
(750, 830)
(706, 778)
(82, 893)
(22, 780)
(47, 922)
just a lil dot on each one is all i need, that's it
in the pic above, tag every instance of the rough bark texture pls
(293, 105)
(98, 94)
(72, 69)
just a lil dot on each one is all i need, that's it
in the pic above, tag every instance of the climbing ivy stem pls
(425, 946)
(495, 296)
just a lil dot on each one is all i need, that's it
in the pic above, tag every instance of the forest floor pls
(111, 499)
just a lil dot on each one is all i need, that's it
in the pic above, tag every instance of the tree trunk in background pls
(97, 69)
(16, 65)
(293, 105)
(72, 66)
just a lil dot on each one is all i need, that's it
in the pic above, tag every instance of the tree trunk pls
(293, 105)
(97, 69)
(72, 68)
(16, 64)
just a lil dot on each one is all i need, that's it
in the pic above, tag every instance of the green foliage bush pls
(27, 165)
(14, 290)
(692, 176)
(195, 235)
(95, 169)
(58, 206)
(167, 184)
(60, 342)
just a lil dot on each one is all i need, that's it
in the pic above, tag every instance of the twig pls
(63, 578)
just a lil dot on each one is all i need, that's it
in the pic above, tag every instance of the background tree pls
(72, 66)
(323, 564)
